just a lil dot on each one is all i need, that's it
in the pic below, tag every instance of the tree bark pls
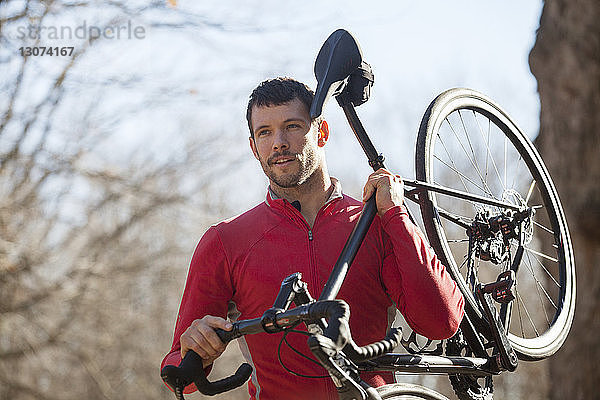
(566, 62)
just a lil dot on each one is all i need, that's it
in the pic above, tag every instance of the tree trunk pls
(566, 62)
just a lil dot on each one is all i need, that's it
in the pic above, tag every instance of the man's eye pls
(263, 133)
(293, 126)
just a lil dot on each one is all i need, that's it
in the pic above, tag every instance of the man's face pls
(285, 143)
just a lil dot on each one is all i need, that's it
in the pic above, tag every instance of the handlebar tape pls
(227, 336)
(337, 335)
(337, 313)
(191, 370)
(359, 354)
(223, 385)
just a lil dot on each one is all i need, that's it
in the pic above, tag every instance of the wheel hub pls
(492, 231)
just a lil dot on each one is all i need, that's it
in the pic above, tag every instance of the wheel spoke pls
(518, 299)
(531, 186)
(528, 315)
(537, 287)
(462, 264)
(475, 273)
(451, 160)
(473, 162)
(487, 144)
(541, 254)
(460, 174)
(467, 153)
(488, 150)
(505, 149)
(547, 272)
(543, 227)
(516, 174)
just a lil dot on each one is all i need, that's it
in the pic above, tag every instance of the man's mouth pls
(282, 161)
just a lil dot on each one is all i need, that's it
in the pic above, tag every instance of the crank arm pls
(506, 354)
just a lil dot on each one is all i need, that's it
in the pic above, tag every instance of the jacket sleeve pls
(208, 290)
(423, 290)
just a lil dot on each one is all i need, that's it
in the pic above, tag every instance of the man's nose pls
(280, 141)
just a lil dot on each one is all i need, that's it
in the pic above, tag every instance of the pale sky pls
(200, 76)
(416, 49)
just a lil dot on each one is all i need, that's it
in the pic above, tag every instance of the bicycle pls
(503, 225)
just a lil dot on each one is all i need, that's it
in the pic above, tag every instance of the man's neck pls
(311, 195)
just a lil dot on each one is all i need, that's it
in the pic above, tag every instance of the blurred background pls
(116, 157)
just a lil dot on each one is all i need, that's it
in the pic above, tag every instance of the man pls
(302, 226)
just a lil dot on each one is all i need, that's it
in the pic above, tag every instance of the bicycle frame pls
(483, 365)
(293, 289)
(508, 359)
(429, 364)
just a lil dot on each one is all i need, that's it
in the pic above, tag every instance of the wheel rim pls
(473, 146)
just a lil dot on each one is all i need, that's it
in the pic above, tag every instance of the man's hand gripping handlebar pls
(335, 341)
(190, 370)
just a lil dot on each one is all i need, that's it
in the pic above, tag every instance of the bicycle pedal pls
(503, 296)
(503, 290)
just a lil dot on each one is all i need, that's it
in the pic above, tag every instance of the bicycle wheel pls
(466, 142)
(406, 391)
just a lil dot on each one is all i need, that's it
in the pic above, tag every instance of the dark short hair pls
(275, 92)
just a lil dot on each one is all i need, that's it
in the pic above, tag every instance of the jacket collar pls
(335, 194)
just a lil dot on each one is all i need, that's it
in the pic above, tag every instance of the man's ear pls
(323, 133)
(253, 147)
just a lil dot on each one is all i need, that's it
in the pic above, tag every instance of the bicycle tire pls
(555, 263)
(407, 391)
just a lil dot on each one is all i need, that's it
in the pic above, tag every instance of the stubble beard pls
(308, 163)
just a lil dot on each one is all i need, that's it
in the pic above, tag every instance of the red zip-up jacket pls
(239, 264)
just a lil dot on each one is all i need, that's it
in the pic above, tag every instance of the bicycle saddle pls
(338, 58)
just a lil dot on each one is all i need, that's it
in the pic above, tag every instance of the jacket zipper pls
(312, 264)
